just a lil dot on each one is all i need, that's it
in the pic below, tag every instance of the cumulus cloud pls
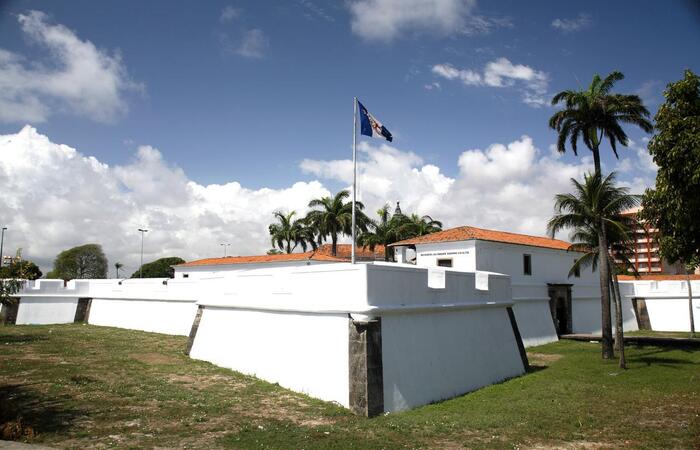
(582, 21)
(508, 187)
(57, 197)
(229, 13)
(254, 44)
(500, 73)
(77, 77)
(385, 20)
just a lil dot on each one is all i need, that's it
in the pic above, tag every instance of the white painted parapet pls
(44, 302)
(664, 302)
(159, 305)
(306, 329)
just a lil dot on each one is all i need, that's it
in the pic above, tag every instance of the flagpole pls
(354, 174)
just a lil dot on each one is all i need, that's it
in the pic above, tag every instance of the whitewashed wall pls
(158, 305)
(44, 302)
(530, 292)
(303, 352)
(291, 326)
(435, 356)
(666, 302)
(208, 271)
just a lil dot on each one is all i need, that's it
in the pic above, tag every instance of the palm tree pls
(383, 231)
(118, 265)
(288, 233)
(594, 114)
(416, 225)
(332, 216)
(596, 203)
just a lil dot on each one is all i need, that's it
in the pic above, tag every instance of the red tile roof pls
(323, 253)
(657, 277)
(471, 233)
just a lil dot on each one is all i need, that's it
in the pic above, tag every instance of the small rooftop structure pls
(467, 233)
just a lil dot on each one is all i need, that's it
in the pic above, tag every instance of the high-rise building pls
(645, 255)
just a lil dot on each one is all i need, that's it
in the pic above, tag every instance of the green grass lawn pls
(83, 386)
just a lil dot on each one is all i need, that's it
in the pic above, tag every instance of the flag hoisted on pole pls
(369, 126)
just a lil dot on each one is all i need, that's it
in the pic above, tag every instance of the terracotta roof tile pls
(657, 277)
(323, 253)
(470, 233)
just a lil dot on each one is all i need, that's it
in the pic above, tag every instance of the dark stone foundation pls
(193, 330)
(640, 310)
(366, 371)
(11, 312)
(82, 311)
(518, 338)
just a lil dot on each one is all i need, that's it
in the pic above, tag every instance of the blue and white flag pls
(369, 126)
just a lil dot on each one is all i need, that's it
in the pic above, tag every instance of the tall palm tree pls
(332, 217)
(383, 231)
(118, 265)
(592, 115)
(594, 204)
(289, 233)
(416, 225)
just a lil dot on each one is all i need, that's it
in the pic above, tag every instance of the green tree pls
(85, 261)
(592, 115)
(25, 270)
(160, 268)
(383, 231)
(673, 206)
(393, 228)
(289, 233)
(594, 203)
(332, 217)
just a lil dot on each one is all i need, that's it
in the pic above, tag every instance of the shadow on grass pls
(26, 413)
(655, 355)
(21, 338)
(536, 368)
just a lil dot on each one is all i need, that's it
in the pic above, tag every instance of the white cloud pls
(229, 13)
(506, 187)
(254, 44)
(385, 20)
(56, 197)
(582, 21)
(78, 77)
(500, 73)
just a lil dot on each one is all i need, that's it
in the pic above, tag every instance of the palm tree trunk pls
(334, 244)
(690, 304)
(619, 331)
(604, 272)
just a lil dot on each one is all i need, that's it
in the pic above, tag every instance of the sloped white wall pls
(666, 302)
(436, 356)
(46, 310)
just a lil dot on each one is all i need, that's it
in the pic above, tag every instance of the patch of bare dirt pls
(543, 358)
(154, 358)
(576, 445)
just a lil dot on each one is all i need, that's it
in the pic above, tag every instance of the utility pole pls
(143, 231)
(2, 244)
(224, 245)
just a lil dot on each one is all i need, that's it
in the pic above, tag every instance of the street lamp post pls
(142, 230)
(2, 244)
(224, 246)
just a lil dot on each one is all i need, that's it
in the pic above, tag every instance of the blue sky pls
(243, 106)
(221, 115)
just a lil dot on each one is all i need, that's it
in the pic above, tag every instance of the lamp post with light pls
(143, 231)
(2, 244)
(224, 245)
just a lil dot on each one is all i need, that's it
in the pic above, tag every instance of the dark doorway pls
(82, 312)
(560, 306)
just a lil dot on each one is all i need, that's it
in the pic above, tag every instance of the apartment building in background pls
(645, 257)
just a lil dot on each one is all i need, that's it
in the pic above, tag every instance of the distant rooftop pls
(471, 233)
(323, 253)
(657, 277)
